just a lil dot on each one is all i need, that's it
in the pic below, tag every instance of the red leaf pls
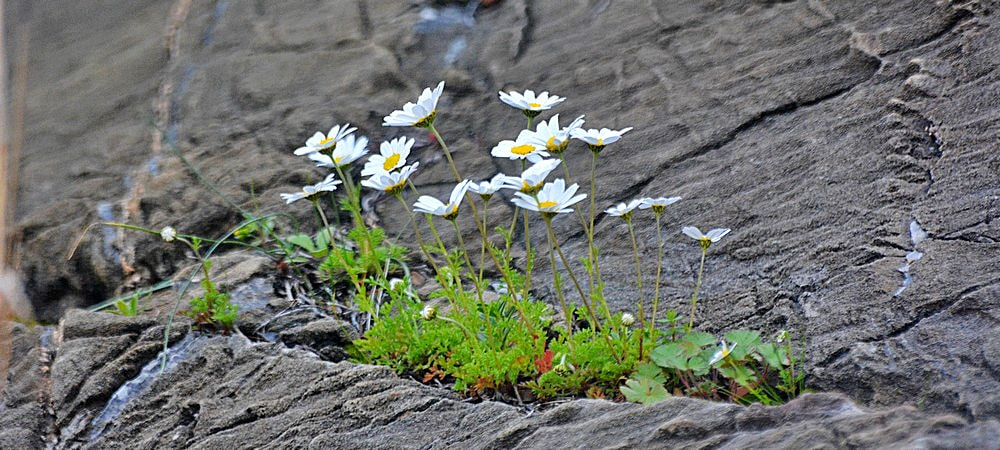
(544, 363)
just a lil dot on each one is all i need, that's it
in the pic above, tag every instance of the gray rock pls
(228, 391)
(816, 130)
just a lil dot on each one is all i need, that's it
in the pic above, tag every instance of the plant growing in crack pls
(480, 326)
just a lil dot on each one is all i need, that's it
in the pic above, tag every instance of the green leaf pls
(651, 371)
(771, 355)
(644, 390)
(744, 338)
(746, 342)
(303, 241)
(670, 356)
(741, 375)
(699, 339)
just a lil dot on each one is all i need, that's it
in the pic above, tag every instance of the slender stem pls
(510, 231)
(527, 256)
(354, 199)
(697, 287)
(437, 237)
(590, 310)
(482, 231)
(638, 280)
(351, 196)
(465, 330)
(482, 252)
(569, 180)
(596, 280)
(531, 119)
(447, 153)
(468, 261)
(562, 257)
(416, 232)
(659, 268)
(558, 286)
(334, 249)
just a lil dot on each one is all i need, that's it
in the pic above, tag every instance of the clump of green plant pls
(212, 310)
(491, 334)
(128, 307)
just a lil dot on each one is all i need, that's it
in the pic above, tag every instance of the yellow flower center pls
(551, 144)
(396, 187)
(600, 141)
(522, 150)
(391, 161)
(337, 159)
(546, 204)
(535, 105)
(326, 141)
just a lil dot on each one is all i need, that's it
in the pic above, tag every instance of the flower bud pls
(628, 319)
(429, 312)
(168, 234)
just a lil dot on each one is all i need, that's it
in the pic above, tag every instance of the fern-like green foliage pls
(213, 310)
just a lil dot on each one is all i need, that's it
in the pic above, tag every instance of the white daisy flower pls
(628, 319)
(347, 151)
(721, 353)
(392, 155)
(168, 234)
(487, 188)
(624, 209)
(597, 139)
(705, 239)
(429, 312)
(521, 148)
(320, 142)
(532, 178)
(327, 185)
(431, 205)
(553, 198)
(549, 136)
(658, 204)
(420, 114)
(390, 182)
(529, 103)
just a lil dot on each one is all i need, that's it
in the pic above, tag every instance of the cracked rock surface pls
(231, 392)
(819, 131)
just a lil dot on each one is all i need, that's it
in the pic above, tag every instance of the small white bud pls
(628, 319)
(168, 234)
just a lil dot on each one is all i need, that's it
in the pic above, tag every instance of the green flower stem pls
(562, 257)
(527, 256)
(468, 261)
(579, 214)
(416, 232)
(596, 280)
(531, 120)
(351, 196)
(558, 287)
(468, 334)
(586, 303)
(510, 230)
(697, 287)
(440, 244)
(482, 230)
(447, 153)
(638, 280)
(336, 250)
(482, 253)
(454, 171)
(659, 268)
